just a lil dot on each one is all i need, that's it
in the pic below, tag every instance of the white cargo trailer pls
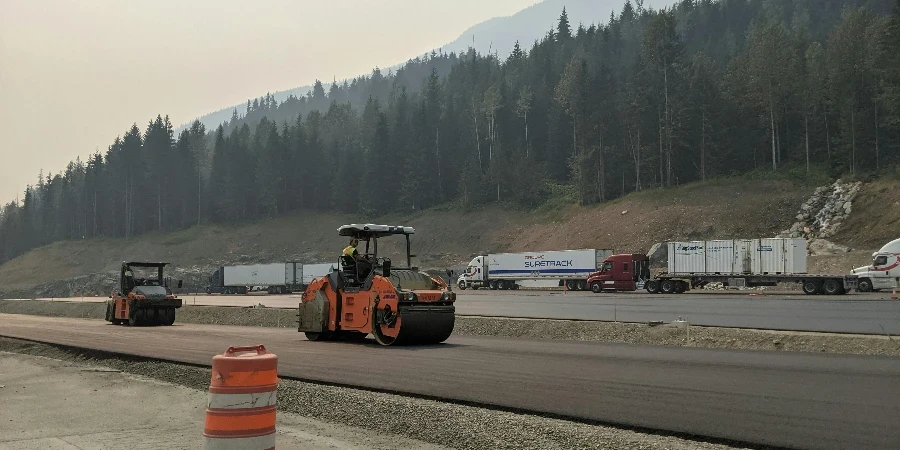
(314, 271)
(275, 278)
(505, 270)
(738, 256)
(270, 276)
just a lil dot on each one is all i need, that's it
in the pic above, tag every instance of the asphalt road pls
(798, 400)
(873, 313)
(854, 313)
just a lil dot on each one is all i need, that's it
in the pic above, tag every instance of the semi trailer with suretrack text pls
(504, 270)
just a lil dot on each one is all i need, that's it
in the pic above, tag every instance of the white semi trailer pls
(504, 270)
(884, 273)
(274, 278)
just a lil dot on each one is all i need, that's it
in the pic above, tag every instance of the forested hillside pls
(649, 99)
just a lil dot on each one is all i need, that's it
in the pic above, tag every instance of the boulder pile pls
(821, 216)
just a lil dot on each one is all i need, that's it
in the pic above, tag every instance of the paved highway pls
(856, 313)
(871, 313)
(799, 400)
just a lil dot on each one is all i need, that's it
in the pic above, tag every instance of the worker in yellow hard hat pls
(363, 265)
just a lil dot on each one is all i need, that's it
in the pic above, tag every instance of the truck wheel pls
(571, 285)
(810, 287)
(864, 285)
(492, 285)
(582, 285)
(596, 287)
(502, 285)
(462, 285)
(832, 287)
(667, 286)
(652, 287)
(680, 287)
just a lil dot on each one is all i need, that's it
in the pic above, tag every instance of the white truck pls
(884, 273)
(504, 270)
(274, 278)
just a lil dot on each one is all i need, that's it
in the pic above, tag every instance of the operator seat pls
(349, 269)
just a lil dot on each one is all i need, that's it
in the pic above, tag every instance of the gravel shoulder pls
(45, 394)
(316, 416)
(627, 333)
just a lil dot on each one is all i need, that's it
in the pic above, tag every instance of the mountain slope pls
(496, 34)
(501, 33)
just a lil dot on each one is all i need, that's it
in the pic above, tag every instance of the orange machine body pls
(395, 305)
(353, 311)
(142, 301)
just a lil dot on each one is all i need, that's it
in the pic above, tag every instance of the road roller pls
(143, 296)
(397, 305)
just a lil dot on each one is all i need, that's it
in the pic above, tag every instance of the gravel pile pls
(626, 333)
(451, 425)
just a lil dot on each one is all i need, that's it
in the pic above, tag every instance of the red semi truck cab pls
(626, 272)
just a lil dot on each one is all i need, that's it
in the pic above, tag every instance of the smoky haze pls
(74, 75)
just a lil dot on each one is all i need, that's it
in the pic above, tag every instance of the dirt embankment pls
(447, 238)
(625, 333)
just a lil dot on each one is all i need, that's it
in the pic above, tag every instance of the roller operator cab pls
(143, 296)
(393, 301)
(884, 273)
(626, 272)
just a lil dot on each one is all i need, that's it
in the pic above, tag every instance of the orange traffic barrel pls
(240, 411)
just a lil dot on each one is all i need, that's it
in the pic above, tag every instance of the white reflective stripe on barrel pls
(240, 401)
(254, 443)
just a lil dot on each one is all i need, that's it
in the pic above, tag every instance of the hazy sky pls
(74, 74)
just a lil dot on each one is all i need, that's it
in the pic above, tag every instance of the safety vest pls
(349, 251)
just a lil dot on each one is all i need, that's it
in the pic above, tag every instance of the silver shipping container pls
(720, 257)
(778, 256)
(687, 257)
(738, 256)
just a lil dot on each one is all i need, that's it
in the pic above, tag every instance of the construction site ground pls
(61, 399)
(52, 404)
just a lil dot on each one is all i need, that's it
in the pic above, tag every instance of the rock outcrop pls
(821, 216)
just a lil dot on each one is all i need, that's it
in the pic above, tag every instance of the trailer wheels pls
(652, 287)
(810, 287)
(864, 285)
(667, 287)
(680, 287)
(581, 285)
(832, 287)
(596, 287)
(493, 285)
(571, 285)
